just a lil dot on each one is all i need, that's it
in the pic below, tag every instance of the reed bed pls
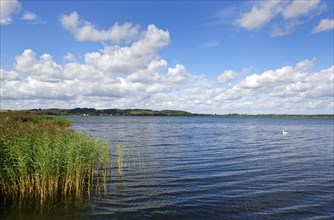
(43, 160)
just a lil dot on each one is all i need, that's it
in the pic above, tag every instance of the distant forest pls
(112, 112)
(149, 112)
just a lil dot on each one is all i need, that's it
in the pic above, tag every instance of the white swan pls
(284, 132)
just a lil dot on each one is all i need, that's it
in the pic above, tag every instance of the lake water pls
(216, 168)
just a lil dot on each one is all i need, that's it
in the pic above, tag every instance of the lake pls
(215, 168)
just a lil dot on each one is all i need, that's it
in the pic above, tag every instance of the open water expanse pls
(215, 168)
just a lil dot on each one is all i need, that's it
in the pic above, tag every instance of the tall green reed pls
(41, 159)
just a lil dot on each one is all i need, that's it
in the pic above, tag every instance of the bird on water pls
(284, 132)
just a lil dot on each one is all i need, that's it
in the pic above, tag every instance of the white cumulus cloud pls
(30, 16)
(43, 78)
(7, 9)
(283, 15)
(226, 76)
(299, 7)
(8, 75)
(44, 69)
(289, 89)
(86, 31)
(282, 76)
(127, 60)
(45, 83)
(324, 25)
(259, 15)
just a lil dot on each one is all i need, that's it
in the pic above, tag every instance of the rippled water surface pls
(216, 168)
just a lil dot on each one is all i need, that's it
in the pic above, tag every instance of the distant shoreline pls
(149, 112)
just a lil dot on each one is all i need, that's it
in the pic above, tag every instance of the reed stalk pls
(120, 157)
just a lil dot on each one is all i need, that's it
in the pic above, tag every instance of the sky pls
(219, 57)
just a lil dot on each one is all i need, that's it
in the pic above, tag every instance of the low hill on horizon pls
(150, 112)
(112, 112)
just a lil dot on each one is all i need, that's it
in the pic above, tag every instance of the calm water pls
(216, 168)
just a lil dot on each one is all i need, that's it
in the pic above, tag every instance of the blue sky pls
(201, 56)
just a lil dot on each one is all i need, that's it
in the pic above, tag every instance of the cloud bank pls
(41, 82)
(132, 74)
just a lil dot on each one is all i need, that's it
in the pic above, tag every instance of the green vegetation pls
(149, 112)
(113, 112)
(120, 156)
(41, 159)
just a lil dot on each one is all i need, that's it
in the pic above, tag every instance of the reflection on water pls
(213, 167)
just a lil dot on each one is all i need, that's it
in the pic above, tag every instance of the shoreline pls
(148, 112)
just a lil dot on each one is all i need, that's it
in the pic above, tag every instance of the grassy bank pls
(42, 159)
